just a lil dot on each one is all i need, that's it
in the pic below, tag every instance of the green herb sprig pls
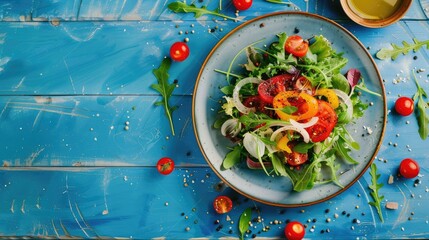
(165, 89)
(386, 53)
(375, 187)
(181, 7)
(243, 223)
(422, 107)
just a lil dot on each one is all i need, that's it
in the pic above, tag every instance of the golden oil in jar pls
(374, 9)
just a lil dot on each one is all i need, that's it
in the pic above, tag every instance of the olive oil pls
(374, 9)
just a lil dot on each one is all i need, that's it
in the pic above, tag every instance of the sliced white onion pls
(231, 127)
(254, 146)
(236, 94)
(299, 129)
(310, 123)
(346, 99)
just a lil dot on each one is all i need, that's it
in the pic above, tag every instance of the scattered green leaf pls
(422, 107)
(375, 187)
(386, 53)
(182, 7)
(243, 223)
(165, 89)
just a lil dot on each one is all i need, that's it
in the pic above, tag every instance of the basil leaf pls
(243, 223)
(302, 147)
(232, 157)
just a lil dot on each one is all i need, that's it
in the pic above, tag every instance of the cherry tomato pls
(404, 106)
(296, 46)
(327, 120)
(165, 165)
(295, 158)
(294, 231)
(242, 4)
(222, 204)
(179, 51)
(284, 82)
(306, 104)
(409, 168)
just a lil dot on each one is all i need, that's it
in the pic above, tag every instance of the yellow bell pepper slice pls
(281, 100)
(282, 144)
(330, 96)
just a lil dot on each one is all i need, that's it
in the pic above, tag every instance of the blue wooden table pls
(81, 135)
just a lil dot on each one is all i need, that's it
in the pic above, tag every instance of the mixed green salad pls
(288, 108)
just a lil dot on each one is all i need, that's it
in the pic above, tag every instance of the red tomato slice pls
(258, 104)
(296, 46)
(295, 159)
(271, 87)
(327, 120)
(222, 204)
(284, 82)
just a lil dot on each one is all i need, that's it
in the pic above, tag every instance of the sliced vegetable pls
(327, 119)
(306, 104)
(222, 204)
(330, 95)
(296, 46)
(230, 128)
(236, 94)
(254, 146)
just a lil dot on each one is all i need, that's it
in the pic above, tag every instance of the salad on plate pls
(287, 110)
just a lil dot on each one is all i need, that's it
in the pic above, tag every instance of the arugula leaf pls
(303, 147)
(385, 53)
(165, 89)
(278, 165)
(375, 187)
(422, 107)
(232, 157)
(182, 7)
(243, 223)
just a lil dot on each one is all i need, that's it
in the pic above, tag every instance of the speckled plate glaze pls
(256, 184)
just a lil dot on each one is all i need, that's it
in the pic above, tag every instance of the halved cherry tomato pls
(294, 231)
(295, 158)
(165, 165)
(179, 51)
(296, 46)
(330, 95)
(284, 82)
(409, 168)
(306, 104)
(327, 120)
(222, 204)
(271, 87)
(242, 4)
(404, 106)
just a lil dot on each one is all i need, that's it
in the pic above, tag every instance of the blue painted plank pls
(140, 203)
(90, 131)
(90, 10)
(118, 57)
(97, 57)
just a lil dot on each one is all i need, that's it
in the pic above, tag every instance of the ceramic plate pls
(256, 184)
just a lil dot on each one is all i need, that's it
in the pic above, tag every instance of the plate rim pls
(344, 30)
